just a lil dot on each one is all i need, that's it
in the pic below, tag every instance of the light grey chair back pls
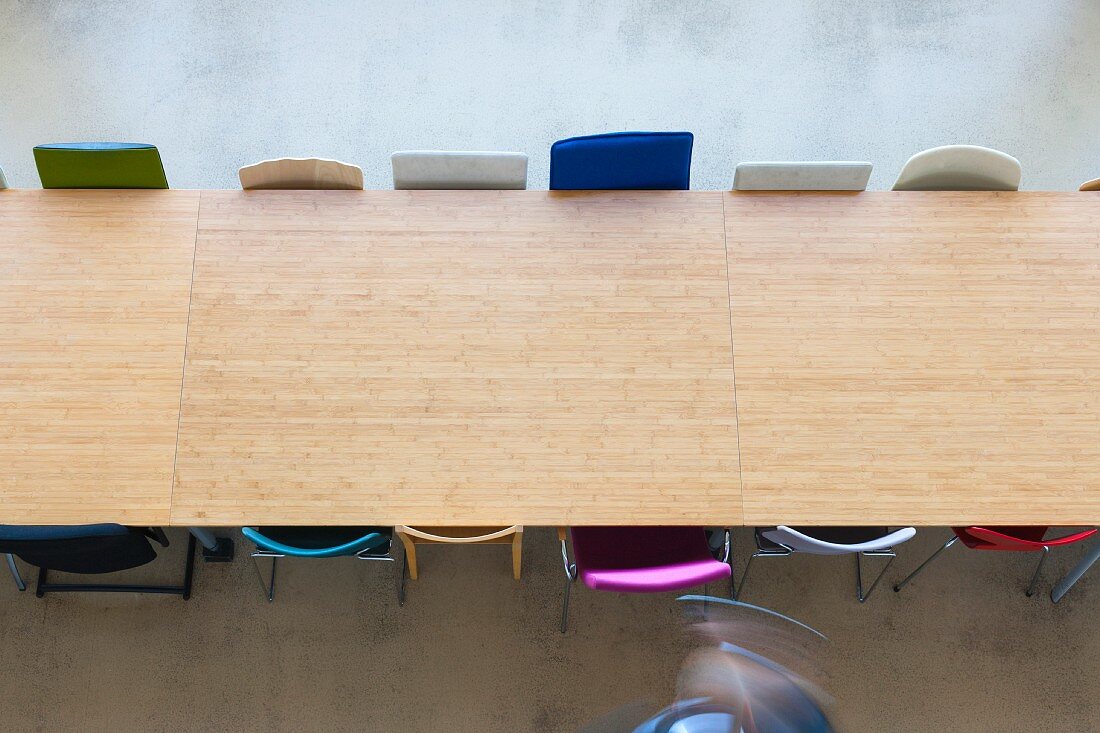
(442, 170)
(800, 542)
(3, 181)
(802, 176)
(960, 168)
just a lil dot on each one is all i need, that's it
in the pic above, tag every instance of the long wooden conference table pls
(220, 358)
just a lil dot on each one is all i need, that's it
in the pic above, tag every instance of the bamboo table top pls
(93, 319)
(450, 358)
(498, 358)
(928, 358)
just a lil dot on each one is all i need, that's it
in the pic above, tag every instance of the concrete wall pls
(218, 84)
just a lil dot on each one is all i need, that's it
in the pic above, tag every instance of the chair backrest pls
(460, 535)
(458, 170)
(99, 165)
(625, 547)
(960, 168)
(318, 541)
(1019, 539)
(301, 174)
(800, 542)
(622, 161)
(3, 181)
(1093, 185)
(802, 176)
(90, 548)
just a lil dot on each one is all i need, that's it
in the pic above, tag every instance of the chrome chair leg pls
(569, 578)
(268, 588)
(271, 585)
(403, 577)
(1038, 570)
(740, 587)
(921, 567)
(862, 595)
(15, 572)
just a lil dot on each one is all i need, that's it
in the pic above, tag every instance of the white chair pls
(3, 181)
(802, 176)
(960, 168)
(301, 174)
(862, 542)
(441, 170)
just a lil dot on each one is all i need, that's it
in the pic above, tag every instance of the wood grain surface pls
(498, 358)
(458, 358)
(925, 358)
(93, 317)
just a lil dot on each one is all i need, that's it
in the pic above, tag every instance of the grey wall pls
(218, 84)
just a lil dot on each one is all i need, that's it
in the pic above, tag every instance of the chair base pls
(44, 586)
(223, 551)
(1030, 587)
(269, 585)
(862, 594)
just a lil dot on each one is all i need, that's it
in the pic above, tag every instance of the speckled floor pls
(472, 650)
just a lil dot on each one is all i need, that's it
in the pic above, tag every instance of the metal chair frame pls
(861, 594)
(269, 586)
(1030, 587)
(15, 572)
(43, 586)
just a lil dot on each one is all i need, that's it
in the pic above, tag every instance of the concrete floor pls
(218, 84)
(471, 650)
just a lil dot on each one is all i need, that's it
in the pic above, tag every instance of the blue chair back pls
(622, 161)
(320, 541)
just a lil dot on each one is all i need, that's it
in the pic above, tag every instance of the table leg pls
(214, 549)
(1074, 575)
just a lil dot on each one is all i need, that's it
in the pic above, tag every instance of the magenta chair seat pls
(656, 580)
(641, 560)
(645, 559)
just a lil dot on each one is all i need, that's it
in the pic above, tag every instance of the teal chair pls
(364, 543)
(99, 165)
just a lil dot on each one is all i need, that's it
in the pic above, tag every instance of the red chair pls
(1012, 539)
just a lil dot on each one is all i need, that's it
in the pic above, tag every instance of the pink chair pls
(1008, 539)
(641, 560)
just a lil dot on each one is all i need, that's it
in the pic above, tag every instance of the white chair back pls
(442, 170)
(802, 176)
(800, 542)
(960, 168)
(301, 174)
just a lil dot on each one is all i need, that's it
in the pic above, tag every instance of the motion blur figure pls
(726, 687)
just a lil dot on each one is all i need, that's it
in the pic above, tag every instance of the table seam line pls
(183, 370)
(733, 358)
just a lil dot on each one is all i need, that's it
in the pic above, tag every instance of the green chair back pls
(99, 165)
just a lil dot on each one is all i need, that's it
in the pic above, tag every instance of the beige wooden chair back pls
(301, 174)
(413, 536)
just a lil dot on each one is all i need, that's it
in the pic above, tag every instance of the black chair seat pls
(88, 549)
